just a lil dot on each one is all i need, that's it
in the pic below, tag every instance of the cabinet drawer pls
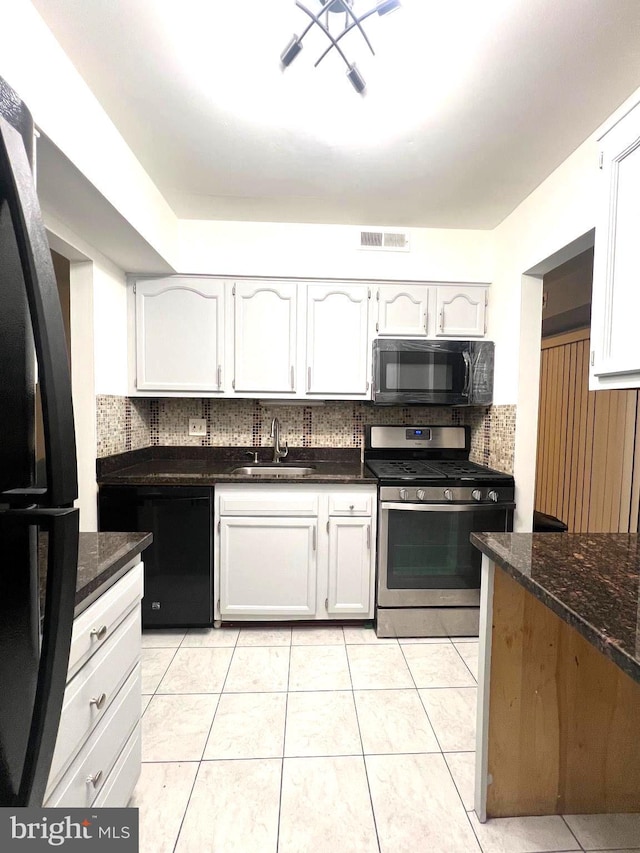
(116, 791)
(99, 754)
(350, 503)
(258, 502)
(92, 628)
(101, 677)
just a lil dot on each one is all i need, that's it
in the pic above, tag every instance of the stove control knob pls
(448, 495)
(420, 494)
(404, 494)
(476, 494)
(493, 496)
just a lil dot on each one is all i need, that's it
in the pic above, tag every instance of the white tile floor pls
(318, 739)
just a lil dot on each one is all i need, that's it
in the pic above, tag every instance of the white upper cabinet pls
(338, 351)
(461, 311)
(180, 335)
(200, 336)
(264, 337)
(615, 357)
(403, 310)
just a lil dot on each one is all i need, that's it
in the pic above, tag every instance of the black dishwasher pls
(178, 565)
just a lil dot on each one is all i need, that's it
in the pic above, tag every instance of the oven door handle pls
(426, 507)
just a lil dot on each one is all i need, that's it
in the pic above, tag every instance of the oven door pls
(425, 557)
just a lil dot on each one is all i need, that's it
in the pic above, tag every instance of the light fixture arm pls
(356, 23)
(315, 19)
(345, 31)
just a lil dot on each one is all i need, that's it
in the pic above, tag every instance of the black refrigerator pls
(38, 524)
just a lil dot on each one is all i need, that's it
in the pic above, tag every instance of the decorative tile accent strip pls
(502, 437)
(131, 423)
(110, 425)
(138, 416)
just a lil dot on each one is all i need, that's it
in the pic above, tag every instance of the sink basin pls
(270, 470)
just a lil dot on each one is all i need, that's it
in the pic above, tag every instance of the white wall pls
(98, 348)
(110, 339)
(560, 212)
(330, 251)
(63, 106)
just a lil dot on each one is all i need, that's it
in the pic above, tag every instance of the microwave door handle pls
(46, 320)
(466, 391)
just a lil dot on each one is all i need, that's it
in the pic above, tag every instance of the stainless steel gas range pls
(431, 498)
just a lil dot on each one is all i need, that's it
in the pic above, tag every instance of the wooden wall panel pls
(588, 463)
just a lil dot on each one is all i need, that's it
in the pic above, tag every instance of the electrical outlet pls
(197, 426)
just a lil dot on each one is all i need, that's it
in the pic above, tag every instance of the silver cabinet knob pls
(404, 494)
(98, 633)
(448, 495)
(420, 494)
(351, 507)
(94, 779)
(98, 701)
(493, 496)
(476, 494)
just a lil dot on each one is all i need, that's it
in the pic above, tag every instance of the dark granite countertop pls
(204, 466)
(590, 580)
(102, 560)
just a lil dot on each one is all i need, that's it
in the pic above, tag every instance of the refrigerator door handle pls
(62, 526)
(46, 320)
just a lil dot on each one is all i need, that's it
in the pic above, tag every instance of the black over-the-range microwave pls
(432, 373)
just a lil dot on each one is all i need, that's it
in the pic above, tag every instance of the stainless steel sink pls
(270, 470)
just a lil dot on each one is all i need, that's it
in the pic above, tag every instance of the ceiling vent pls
(384, 241)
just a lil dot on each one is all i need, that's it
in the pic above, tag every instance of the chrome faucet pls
(278, 452)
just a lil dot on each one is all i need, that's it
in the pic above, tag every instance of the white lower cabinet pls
(350, 547)
(97, 756)
(268, 567)
(303, 553)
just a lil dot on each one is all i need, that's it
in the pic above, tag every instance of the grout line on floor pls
(417, 689)
(284, 741)
(577, 840)
(364, 761)
(195, 779)
(464, 662)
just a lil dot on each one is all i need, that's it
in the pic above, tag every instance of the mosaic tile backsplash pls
(128, 423)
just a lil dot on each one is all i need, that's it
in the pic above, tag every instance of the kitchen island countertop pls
(559, 674)
(591, 581)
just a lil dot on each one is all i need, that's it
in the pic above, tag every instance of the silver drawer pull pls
(98, 633)
(99, 702)
(94, 779)
(351, 507)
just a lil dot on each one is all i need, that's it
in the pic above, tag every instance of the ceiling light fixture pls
(351, 21)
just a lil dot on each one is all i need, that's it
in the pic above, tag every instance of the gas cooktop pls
(426, 455)
(440, 469)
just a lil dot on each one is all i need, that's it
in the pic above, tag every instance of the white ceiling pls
(469, 104)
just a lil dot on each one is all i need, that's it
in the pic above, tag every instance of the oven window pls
(420, 371)
(431, 550)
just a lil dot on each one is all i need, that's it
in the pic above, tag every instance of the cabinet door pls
(461, 311)
(338, 355)
(616, 294)
(265, 337)
(403, 309)
(268, 567)
(350, 567)
(179, 335)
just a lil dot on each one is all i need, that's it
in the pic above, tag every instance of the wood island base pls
(558, 722)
